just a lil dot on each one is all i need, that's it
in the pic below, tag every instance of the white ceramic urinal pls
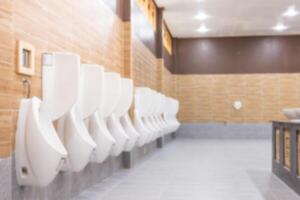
(72, 128)
(156, 107)
(176, 109)
(160, 116)
(95, 124)
(139, 110)
(173, 110)
(112, 96)
(150, 106)
(102, 137)
(148, 117)
(123, 116)
(157, 113)
(39, 152)
(167, 115)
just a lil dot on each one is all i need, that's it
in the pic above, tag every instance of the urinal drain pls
(24, 171)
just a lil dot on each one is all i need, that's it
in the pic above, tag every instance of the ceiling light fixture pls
(203, 29)
(290, 12)
(202, 16)
(280, 27)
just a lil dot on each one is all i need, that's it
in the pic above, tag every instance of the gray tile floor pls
(195, 169)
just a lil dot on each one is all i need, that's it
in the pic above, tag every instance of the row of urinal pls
(82, 117)
(154, 114)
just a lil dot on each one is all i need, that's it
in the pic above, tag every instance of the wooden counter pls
(286, 153)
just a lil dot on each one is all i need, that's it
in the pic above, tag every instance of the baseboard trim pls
(226, 130)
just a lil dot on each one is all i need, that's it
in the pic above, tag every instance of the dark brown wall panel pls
(168, 59)
(123, 9)
(158, 33)
(278, 54)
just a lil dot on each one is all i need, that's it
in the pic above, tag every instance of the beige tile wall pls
(127, 50)
(209, 98)
(145, 68)
(8, 86)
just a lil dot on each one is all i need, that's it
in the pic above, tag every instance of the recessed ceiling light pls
(280, 27)
(202, 16)
(203, 29)
(290, 12)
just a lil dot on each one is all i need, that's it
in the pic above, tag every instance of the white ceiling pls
(229, 17)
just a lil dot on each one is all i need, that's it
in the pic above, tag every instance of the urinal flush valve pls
(27, 83)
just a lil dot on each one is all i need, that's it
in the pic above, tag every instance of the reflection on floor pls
(195, 169)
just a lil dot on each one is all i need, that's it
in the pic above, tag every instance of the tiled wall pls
(127, 50)
(168, 85)
(8, 87)
(209, 98)
(145, 69)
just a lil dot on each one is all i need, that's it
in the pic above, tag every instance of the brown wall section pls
(169, 60)
(238, 55)
(158, 33)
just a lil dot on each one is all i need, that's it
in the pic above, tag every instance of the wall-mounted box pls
(26, 55)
